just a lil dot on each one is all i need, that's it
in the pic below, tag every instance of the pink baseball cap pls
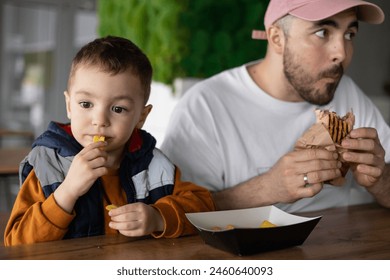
(314, 10)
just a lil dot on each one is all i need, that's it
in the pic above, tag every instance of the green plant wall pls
(187, 38)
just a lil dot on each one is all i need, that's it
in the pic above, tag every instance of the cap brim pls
(320, 10)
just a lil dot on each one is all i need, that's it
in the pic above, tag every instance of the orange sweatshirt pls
(37, 219)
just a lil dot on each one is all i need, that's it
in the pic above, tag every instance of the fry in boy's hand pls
(111, 206)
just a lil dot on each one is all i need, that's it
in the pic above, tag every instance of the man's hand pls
(284, 182)
(287, 176)
(365, 155)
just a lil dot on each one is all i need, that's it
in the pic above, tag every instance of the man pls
(235, 132)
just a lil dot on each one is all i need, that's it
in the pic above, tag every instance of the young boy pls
(69, 178)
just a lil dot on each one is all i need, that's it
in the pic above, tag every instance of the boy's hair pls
(115, 55)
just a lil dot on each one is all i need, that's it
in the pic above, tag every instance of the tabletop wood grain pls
(355, 232)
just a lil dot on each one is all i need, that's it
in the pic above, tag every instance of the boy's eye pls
(85, 104)
(117, 109)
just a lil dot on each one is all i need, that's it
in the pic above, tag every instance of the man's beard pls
(304, 83)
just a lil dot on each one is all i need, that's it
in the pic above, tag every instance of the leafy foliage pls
(185, 38)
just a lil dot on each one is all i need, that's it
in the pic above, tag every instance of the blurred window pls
(38, 41)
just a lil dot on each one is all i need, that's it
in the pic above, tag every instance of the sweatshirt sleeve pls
(186, 198)
(35, 218)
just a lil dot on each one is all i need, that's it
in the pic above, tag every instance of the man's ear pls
(67, 103)
(276, 38)
(144, 114)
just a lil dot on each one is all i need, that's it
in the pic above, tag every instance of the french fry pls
(111, 206)
(267, 224)
(217, 228)
(264, 224)
(98, 138)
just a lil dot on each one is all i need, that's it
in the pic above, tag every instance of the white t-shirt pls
(226, 130)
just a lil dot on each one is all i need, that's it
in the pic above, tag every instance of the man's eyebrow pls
(354, 24)
(330, 22)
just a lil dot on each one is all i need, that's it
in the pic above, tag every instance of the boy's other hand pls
(136, 219)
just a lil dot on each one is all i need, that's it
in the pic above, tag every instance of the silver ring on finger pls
(305, 180)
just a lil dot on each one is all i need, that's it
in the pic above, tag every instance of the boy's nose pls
(100, 119)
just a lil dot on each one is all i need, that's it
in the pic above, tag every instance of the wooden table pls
(356, 232)
(10, 159)
(17, 134)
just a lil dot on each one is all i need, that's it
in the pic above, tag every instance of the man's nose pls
(338, 50)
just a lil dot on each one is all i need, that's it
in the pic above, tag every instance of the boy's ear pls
(67, 103)
(144, 114)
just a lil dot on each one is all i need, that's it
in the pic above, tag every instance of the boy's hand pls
(136, 219)
(366, 155)
(87, 166)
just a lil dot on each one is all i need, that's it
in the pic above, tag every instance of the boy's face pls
(99, 103)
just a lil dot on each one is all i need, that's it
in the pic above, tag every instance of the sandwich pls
(328, 133)
(337, 126)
